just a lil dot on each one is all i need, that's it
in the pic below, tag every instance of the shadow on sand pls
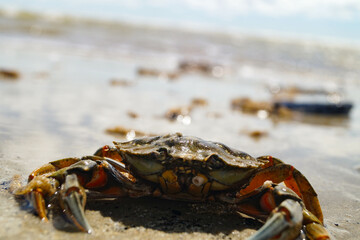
(173, 216)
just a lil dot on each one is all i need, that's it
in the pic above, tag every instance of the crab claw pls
(284, 223)
(73, 199)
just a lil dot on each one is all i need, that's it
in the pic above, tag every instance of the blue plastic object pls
(317, 108)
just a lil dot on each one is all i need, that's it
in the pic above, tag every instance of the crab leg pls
(52, 167)
(38, 202)
(38, 190)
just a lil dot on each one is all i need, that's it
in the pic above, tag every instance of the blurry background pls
(76, 75)
(333, 19)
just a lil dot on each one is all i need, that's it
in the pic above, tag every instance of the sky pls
(326, 19)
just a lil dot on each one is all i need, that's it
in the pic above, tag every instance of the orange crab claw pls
(278, 172)
(285, 212)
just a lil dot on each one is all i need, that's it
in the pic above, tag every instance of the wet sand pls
(64, 101)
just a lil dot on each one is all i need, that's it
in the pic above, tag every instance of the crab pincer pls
(284, 212)
(72, 201)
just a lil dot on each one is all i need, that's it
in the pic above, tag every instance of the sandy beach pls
(73, 85)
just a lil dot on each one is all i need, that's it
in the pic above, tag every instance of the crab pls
(178, 167)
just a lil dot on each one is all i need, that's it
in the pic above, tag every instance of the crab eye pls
(214, 162)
